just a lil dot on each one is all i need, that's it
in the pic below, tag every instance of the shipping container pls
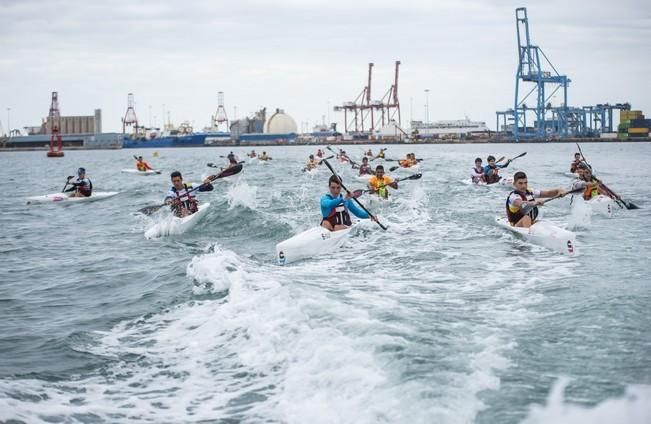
(638, 130)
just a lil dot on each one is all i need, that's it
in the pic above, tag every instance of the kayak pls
(544, 234)
(503, 182)
(175, 225)
(312, 171)
(412, 168)
(65, 197)
(375, 200)
(363, 178)
(313, 242)
(135, 171)
(601, 205)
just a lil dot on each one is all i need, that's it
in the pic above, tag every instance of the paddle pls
(148, 210)
(354, 198)
(617, 197)
(63, 190)
(214, 165)
(528, 207)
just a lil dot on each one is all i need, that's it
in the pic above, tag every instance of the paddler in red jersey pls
(577, 161)
(141, 165)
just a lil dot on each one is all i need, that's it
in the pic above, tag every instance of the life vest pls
(492, 178)
(339, 216)
(380, 185)
(514, 213)
(480, 173)
(590, 191)
(364, 170)
(185, 200)
(141, 166)
(574, 165)
(381, 154)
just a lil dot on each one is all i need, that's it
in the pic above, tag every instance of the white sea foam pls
(242, 194)
(632, 408)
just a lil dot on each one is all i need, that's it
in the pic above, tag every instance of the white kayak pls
(65, 197)
(375, 200)
(363, 178)
(601, 205)
(544, 234)
(313, 242)
(174, 225)
(506, 181)
(135, 171)
(312, 171)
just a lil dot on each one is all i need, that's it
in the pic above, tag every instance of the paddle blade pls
(357, 193)
(148, 210)
(230, 171)
(415, 176)
(393, 168)
(630, 205)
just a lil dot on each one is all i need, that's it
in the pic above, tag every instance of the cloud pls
(304, 55)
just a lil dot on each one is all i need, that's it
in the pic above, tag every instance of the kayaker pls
(588, 182)
(311, 163)
(380, 154)
(183, 202)
(577, 161)
(319, 153)
(477, 173)
(342, 156)
(264, 156)
(252, 154)
(141, 165)
(335, 207)
(82, 187)
(364, 168)
(521, 197)
(378, 183)
(491, 171)
(369, 153)
(232, 159)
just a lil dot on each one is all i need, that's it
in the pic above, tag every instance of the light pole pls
(8, 122)
(149, 116)
(411, 111)
(328, 113)
(427, 105)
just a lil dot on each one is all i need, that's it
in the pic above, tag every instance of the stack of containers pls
(632, 124)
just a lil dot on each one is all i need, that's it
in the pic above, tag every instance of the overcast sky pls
(301, 55)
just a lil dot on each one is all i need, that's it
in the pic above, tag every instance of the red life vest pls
(185, 200)
(338, 216)
(516, 216)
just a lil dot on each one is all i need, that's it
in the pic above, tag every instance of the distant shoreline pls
(352, 142)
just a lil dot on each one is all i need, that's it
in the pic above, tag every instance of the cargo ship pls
(455, 127)
(183, 136)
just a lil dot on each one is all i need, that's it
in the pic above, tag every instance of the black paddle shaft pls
(354, 198)
(618, 198)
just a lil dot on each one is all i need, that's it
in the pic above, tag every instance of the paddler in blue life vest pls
(82, 187)
(335, 207)
(183, 202)
(524, 198)
(477, 173)
(379, 182)
(491, 171)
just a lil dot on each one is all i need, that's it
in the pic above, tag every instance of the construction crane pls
(367, 115)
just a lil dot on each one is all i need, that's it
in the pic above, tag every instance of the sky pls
(306, 56)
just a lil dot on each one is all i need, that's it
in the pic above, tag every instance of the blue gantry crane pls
(545, 120)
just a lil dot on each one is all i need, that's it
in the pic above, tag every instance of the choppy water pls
(444, 318)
